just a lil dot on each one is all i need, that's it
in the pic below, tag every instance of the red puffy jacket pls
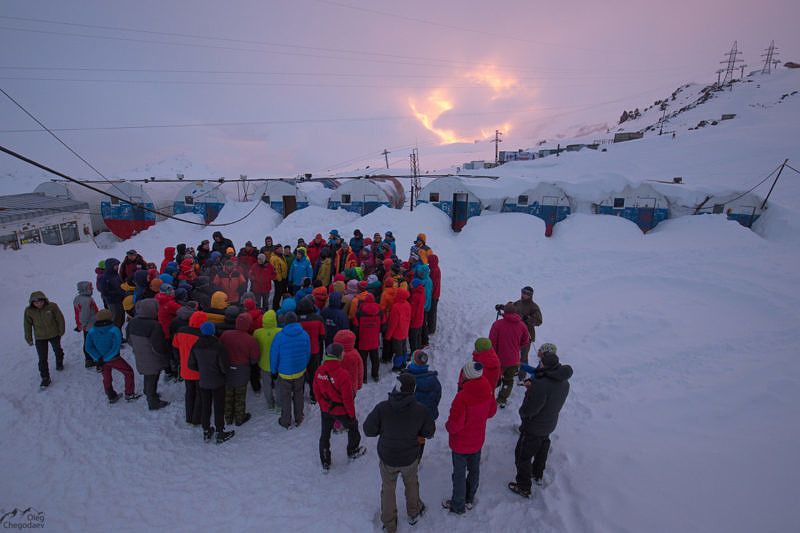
(333, 389)
(351, 359)
(229, 283)
(169, 257)
(314, 248)
(399, 317)
(508, 335)
(473, 405)
(184, 339)
(256, 314)
(316, 330)
(369, 318)
(491, 367)
(435, 275)
(261, 277)
(242, 347)
(167, 309)
(417, 306)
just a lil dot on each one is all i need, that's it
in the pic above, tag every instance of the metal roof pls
(33, 205)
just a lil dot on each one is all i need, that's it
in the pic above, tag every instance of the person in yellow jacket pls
(219, 303)
(423, 250)
(264, 336)
(281, 275)
(127, 302)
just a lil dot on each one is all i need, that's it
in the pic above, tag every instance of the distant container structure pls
(365, 195)
(641, 204)
(34, 217)
(201, 197)
(453, 196)
(744, 209)
(284, 197)
(546, 201)
(505, 156)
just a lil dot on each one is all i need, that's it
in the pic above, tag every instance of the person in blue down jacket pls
(429, 389)
(289, 355)
(334, 316)
(110, 286)
(287, 305)
(301, 268)
(103, 343)
(423, 273)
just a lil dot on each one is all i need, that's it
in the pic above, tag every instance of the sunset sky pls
(286, 87)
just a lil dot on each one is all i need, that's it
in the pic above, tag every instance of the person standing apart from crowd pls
(531, 316)
(43, 324)
(508, 335)
(85, 312)
(103, 343)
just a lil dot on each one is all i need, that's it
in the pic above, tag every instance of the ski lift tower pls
(415, 181)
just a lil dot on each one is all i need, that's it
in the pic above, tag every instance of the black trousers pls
(529, 446)
(353, 435)
(193, 409)
(255, 378)
(85, 353)
(414, 338)
(430, 317)
(372, 356)
(311, 371)
(41, 350)
(218, 397)
(151, 390)
(280, 288)
(424, 330)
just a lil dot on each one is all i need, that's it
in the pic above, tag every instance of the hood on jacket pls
(401, 401)
(147, 308)
(338, 277)
(172, 266)
(197, 319)
(423, 271)
(335, 300)
(85, 287)
(243, 322)
(477, 388)
(419, 289)
(388, 283)
(169, 253)
(140, 278)
(155, 284)
(219, 300)
(187, 262)
(110, 264)
(215, 256)
(558, 372)
(289, 304)
(433, 261)
(185, 312)
(305, 306)
(346, 338)
(166, 278)
(217, 234)
(249, 304)
(320, 293)
(401, 296)
(352, 288)
(293, 330)
(37, 295)
(231, 313)
(269, 320)
(370, 308)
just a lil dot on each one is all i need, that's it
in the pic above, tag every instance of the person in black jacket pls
(547, 391)
(400, 422)
(210, 358)
(146, 337)
(221, 244)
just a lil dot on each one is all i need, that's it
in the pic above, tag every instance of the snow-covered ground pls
(683, 413)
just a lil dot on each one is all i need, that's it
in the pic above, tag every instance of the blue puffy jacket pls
(103, 342)
(110, 285)
(302, 293)
(429, 390)
(335, 318)
(356, 244)
(290, 351)
(301, 268)
(423, 273)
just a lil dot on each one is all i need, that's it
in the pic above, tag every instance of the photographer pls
(508, 335)
(531, 316)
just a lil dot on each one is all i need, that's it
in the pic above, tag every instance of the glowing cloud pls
(488, 76)
(437, 103)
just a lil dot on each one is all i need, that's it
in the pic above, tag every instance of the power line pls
(768, 53)
(733, 59)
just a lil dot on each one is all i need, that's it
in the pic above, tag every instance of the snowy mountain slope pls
(686, 381)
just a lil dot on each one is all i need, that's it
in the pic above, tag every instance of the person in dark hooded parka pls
(335, 318)
(243, 352)
(146, 338)
(221, 244)
(202, 292)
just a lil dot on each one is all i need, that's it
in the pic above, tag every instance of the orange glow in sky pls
(437, 103)
(490, 77)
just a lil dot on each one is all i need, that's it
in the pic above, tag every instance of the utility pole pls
(764, 203)
(415, 185)
(386, 155)
(741, 74)
(661, 127)
(497, 140)
(720, 71)
(769, 54)
(733, 59)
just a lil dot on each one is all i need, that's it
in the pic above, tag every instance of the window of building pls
(522, 199)
(69, 232)
(433, 197)
(29, 237)
(188, 200)
(51, 235)
(9, 241)
(619, 203)
(345, 198)
(718, 209)
(115, 201)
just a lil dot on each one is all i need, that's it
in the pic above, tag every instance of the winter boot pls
(513, 487)
(414, 519)
(446, 505)
(361, 450)
(208, 433)
(325, 457)
(132, 396)
(160, 404)
(45, 383)
(114, 398)
(223, 436)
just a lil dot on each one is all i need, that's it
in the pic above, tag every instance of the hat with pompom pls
(472, 370)
(419, 358)
(208, 328)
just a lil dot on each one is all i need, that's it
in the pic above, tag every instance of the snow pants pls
(268, 386)
(414, 338)
(530, 446)
(466, 474)
(41, 351)
(280, 288)
(353, 435)
(430, 317)
(235, 403)
(388, 486)
(217, 396)
(262, 300)
(255, 378)
(507, 379)
(151, 390)
(121, 365)
(372, 356)
(290, 394)
(192, 399)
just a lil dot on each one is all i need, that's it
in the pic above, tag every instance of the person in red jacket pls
(247, 258)
(261, 275)
(314, 247)
(473, 405)
(436, 277)
(313, 324)
(484, 354)
(417, 314)
(351, 359)
(243, 352)
(169, 257)
(132, 262)
(186, 270)
(167, 307)
(255, 314)
(369, 319)
(397, 328)
(183, 341)
(333, 389)
(320, 295)
(230, 281)
(508, 336)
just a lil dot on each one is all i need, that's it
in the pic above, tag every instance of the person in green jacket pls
(264, 336)
(43, 323)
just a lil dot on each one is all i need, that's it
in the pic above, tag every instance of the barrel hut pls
(743, 208)
(130, 216)
(365, 195)
(546, 201)
(455, 197)
(284, 197)
(641, 204)
(202, 197)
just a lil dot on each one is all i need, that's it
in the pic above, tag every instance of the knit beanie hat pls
(291, 317)
(548, 347)
(527, 290)
(483, 344)
(334, 351)
(208, 328)
(103, 315)
(166, 288)
(510, 308)
(261, 258)
(472, 370)
(102, 264)
(419, 358)
(407, 382)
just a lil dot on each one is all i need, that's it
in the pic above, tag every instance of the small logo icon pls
(16, 518)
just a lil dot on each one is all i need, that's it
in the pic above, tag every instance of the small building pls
(477, 165)
(627, 136)
(365, 195)
(202, 197)
(575, 147)
(34, 217)
(546, 201)
(743, 208)
(505, 156)
(284, 197)
(550, 151)
(129, 217)
(455, 197)
(641, 204)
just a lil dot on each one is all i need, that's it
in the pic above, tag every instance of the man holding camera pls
(508, 335)
(531, 316)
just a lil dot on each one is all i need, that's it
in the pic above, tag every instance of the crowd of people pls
(319, 319)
